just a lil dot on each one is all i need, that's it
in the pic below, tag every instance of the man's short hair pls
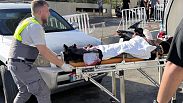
(36, 4)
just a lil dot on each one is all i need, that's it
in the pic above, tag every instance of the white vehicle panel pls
(56, 40)
(5, 43)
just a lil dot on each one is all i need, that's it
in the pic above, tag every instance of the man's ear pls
(65, 47)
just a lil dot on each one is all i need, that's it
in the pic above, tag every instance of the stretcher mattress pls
(109, 61)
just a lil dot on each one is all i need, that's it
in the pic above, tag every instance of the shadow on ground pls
(109, 21)
(135, 93)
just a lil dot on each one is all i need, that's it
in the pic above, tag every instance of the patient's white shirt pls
(137, 47)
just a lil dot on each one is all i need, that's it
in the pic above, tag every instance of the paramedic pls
(27, 43)
(173, 72)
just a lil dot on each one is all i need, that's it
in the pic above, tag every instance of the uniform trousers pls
(29, 81)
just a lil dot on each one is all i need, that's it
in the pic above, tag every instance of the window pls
(57, 23)
(9, 20)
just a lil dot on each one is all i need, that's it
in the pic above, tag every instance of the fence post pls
(130, 16)
(81, 19)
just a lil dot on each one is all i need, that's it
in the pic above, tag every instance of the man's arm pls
(52, 57)
(172, 77)
(49, 55)
(39, 42)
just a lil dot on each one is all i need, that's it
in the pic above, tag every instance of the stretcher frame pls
(118, 69)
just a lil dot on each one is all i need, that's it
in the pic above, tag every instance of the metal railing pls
(131, 16)
(81, 19)
(83, 23)
(158, 12)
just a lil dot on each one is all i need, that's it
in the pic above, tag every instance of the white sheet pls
(137, 47)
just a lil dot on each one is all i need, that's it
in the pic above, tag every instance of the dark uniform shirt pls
(175, 54)
(126, 4)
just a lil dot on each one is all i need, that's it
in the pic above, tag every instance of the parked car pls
(57, 32)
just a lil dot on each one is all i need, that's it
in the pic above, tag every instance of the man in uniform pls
(173, 72)
(28, 41)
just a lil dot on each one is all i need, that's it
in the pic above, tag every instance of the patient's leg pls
(172, 77)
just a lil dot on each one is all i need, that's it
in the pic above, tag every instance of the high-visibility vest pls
(22, 26)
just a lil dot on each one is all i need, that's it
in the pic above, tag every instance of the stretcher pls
(117, 66)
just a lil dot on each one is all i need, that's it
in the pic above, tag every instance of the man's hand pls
(51, 56)
(67, 67)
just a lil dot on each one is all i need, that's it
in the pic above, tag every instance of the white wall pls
(68, 8)
(133, 3)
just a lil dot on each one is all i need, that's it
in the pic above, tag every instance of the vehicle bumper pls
(58, 80)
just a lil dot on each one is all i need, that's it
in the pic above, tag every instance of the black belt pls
(20, 60)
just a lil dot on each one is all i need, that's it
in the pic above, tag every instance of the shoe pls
(155, 101)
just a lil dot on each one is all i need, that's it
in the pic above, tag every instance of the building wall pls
(68, 8)
(133, 3)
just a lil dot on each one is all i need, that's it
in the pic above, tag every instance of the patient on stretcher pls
(91, 55)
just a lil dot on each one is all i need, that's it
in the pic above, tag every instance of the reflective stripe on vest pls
(22, 26)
